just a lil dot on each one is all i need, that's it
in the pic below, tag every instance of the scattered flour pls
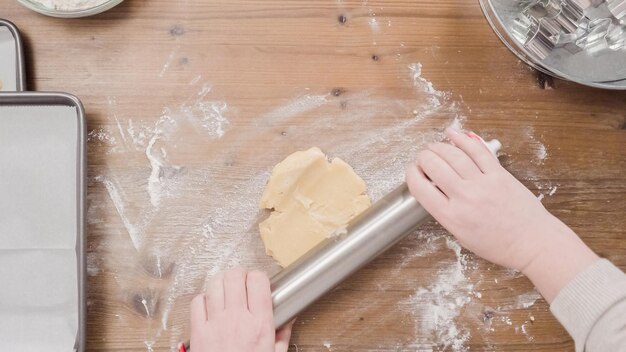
(527, 300)
(101, 135)
(168, 62)
(374, 26)
(163, 178)
(295, 107)
(540, 150)
(524, 301)
(553, 190)
(93, 265)
(188, 201)
(457, 124)
(524, 329)
(195, 80)
(134, 230)
(436, 306)
(537, 154)
(425, 85)
(418, 245)
(212, 213)
(546, 190)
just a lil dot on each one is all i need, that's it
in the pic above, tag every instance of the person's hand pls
(464, 187)
(478, 201)
(235, 315)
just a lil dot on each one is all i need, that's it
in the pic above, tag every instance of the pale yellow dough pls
(310, 197)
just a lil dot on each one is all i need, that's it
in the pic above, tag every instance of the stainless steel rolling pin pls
(328, 264)
(325, 266)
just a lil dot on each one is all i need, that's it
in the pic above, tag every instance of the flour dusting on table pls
(185, 185)
(436, 306)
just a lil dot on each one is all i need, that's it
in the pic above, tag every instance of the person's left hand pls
(235, 315)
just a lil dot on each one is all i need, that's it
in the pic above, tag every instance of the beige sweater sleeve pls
(592, 308)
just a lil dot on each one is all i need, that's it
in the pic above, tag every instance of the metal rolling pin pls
(325, 266)
(328, 264)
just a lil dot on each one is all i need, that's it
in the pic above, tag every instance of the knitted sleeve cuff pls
(580, 304)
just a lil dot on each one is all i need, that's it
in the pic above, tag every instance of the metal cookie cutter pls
(552, 8)
(567, 18)
(616, 38)
(618, 9)
(594, 40)
(551, 29)
(572, 12)
(580, 5)
(538, 43)
(577, 8)
(522, 28)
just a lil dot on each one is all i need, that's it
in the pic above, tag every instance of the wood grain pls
(258, 55)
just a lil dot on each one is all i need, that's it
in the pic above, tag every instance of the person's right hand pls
(464, 187)
(235, 315)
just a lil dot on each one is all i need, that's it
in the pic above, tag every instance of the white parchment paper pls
(38, 228)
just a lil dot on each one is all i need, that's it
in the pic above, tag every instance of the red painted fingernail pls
(478, 138)
(474, 136)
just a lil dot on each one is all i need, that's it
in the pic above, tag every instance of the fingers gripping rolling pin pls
(325, 266)
(374, 231)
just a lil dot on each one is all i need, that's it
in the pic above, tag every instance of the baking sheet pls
(39, 228)
(8, 60)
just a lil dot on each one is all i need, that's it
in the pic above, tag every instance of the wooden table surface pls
(191, 102)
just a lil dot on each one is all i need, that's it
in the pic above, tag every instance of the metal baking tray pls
(42, 125)
(12, 68)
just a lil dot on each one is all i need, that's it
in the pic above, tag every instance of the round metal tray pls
(37, 7)
(603, 71)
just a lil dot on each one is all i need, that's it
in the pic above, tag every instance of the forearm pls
(586, 294)
(561, 255)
